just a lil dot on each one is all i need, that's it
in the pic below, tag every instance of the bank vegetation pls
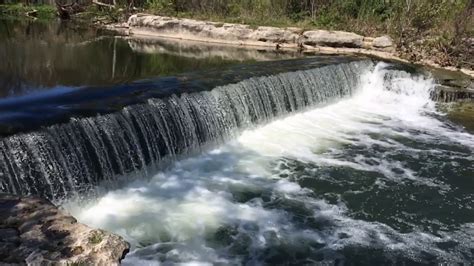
(438, 30)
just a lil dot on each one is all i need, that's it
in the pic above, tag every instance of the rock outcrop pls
(238, 34)
(191, 29)
(35, 232)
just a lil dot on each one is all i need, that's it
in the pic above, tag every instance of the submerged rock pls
(34, 231)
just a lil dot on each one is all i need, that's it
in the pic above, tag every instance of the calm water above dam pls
(201, 155)
(39, 56)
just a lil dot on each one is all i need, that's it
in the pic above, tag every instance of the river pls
(299, 162)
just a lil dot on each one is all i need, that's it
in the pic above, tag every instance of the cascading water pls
(379, 178)
(76, 156)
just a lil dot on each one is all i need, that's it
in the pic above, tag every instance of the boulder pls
(383, 42)
(332, 39)
(35, 232)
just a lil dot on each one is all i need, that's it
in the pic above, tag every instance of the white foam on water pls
(170, 217)
(398, 106)
(183, 205)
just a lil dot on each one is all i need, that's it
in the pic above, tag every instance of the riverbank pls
(35, 232)
(424, 33)
(290, 38)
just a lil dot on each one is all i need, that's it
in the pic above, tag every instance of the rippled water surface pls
(378, 178)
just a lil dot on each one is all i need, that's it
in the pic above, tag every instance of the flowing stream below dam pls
(380, 177)
(215, 160)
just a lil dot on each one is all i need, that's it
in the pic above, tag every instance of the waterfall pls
(76, 156)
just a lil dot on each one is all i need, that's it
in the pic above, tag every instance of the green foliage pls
(46, 11)
(379, 15)
(20, 10)
(327, 19)
(160, 5)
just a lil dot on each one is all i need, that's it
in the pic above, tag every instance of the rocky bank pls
(245, 35)
(291, 38)
(35, 232)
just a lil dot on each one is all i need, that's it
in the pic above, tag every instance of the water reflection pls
(38, 56)
(204, 50)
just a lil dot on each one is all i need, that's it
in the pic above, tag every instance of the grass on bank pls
(363, 16)
(44, 12)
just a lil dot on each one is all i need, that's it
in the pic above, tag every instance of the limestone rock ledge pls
(35, 232)
(245, 35)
